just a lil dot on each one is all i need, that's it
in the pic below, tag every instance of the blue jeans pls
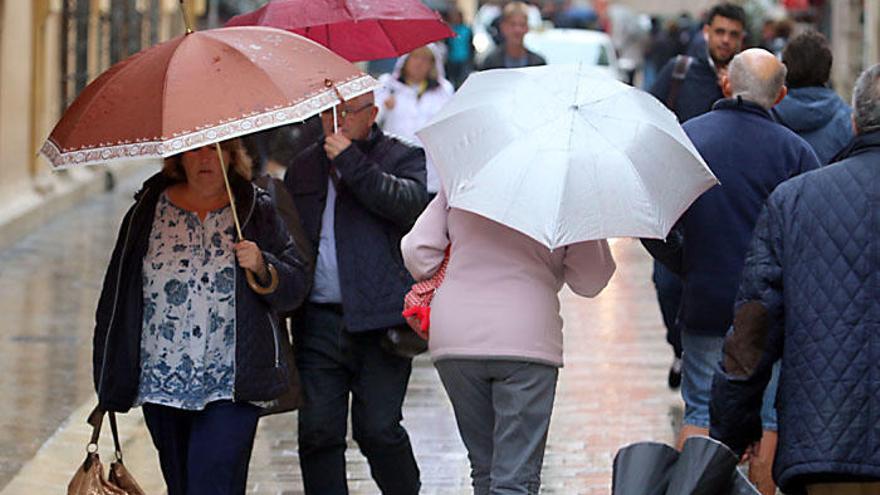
(204, 452)
(336, 365)
(699, 363)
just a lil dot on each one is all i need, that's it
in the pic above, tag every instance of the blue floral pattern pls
(188, 339)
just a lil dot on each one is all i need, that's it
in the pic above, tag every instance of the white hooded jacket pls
(411, 112)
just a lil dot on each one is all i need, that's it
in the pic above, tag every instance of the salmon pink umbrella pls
(359, 30)
(201, 88)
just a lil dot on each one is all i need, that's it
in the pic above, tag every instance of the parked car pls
(572, 46)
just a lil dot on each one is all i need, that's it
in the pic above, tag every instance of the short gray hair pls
(866, 100)
(748, 85)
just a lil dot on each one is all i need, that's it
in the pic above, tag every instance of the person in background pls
(512, 53)
(812, 109)
(410, 96)
(460, 49)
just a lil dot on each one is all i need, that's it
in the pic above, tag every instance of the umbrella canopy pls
(704, 467)
(359, 30)
(564, 155)
(198, 89)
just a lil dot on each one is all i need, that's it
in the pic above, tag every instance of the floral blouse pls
(188, 335)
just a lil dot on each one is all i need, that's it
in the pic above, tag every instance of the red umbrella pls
(198, 89)
(358, 30)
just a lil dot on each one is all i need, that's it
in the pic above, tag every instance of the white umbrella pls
(564, 155)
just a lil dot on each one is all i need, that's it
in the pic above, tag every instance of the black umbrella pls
(704, 467)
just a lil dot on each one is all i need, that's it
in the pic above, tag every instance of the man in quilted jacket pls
(810, 295)
(358, 191)
(750, 154)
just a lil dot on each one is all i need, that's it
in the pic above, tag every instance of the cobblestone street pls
(612, 390)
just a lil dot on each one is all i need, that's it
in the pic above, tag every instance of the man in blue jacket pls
(689, 85)
(812, 109)
(357, 191)
(810, 295)
(750, 154)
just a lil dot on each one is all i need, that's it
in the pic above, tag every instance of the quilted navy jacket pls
(810, 294)
(380, 193)
(260, 372)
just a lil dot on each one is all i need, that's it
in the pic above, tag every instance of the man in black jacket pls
(357, 192)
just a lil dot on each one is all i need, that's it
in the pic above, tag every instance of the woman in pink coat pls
(496, 334)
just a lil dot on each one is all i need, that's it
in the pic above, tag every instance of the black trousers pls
(669, 288)
(204, 452)
(336, 365)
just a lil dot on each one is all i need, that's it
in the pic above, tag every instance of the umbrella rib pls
(347, 10)
(390, 39)
(611, 145)
(574, 110)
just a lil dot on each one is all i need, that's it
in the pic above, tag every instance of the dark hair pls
(729, 11)
(808, 58)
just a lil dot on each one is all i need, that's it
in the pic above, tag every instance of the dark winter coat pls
(810, 294)
(750, 154)
(380, 193)
(495, 59)
(697, 93)
(260, 372)
(819, 116)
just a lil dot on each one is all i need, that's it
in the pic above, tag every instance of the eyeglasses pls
(344, 113)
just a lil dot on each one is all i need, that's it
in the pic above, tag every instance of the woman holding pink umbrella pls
(180, 332)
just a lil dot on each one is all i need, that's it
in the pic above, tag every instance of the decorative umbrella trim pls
(188, 140)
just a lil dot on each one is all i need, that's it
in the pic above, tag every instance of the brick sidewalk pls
(611, 392)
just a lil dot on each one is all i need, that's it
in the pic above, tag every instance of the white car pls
(573, 46)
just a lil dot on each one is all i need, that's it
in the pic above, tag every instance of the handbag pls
(89, 477)
(417, 302)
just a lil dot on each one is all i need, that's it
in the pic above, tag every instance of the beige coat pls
(500, 296)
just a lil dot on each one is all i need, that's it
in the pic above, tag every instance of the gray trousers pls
(503, 413)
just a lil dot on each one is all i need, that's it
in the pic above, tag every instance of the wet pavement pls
(612, 390)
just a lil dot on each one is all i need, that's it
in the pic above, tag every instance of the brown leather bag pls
(89, 478)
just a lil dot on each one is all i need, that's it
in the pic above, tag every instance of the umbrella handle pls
(189, 27)
(259, 289)
(249, 275)
(330, 84)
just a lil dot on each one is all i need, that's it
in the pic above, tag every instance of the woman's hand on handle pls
(250, 258)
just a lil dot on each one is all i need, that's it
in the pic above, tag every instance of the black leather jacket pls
(260, 373)
(380, 193)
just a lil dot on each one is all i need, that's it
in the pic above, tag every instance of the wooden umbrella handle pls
(259, 289)
(251, 279)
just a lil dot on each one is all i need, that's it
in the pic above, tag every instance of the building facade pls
(49, 51)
